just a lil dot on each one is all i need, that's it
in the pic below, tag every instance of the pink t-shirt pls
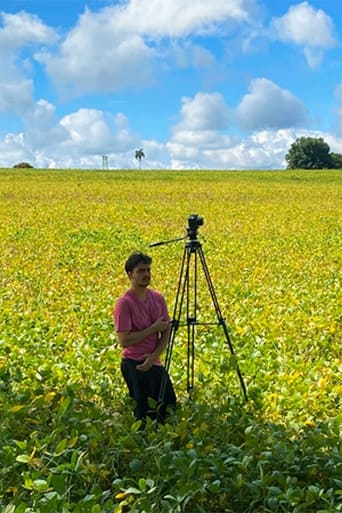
(133, 314)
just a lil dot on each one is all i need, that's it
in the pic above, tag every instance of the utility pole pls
(105, 162)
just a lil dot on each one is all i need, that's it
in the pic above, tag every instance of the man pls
(142, 324)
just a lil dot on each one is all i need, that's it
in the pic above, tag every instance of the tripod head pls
(194, 222)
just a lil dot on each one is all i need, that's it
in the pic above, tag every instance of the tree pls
(309, 153)
(139, 154)
(23, 165)
(336, 160)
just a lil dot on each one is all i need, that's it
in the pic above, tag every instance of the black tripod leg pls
(182, 282)
(220, 319)
(191, 321)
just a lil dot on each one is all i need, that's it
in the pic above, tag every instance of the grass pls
(272, 243)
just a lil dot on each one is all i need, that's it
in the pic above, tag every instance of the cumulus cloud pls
(206, 111)
(200, 138)
(13, 149)
(268, 106)
(23, 29)
(89, 130)
(201, 120)
(264, 149)
(42, 128)
(124, 42)
(78, 140)
(233, 152)
(179, 18)
(305, 26)
(117, 61)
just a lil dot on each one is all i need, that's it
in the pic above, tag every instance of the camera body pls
(194, 222)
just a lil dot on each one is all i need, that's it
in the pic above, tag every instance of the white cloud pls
(13, 150)
(124, 42)
(87, 130)
(177, 18)
(15, 95)
(199, 139)
(22, 29)
(269, 106)
(78, 140)
(188, 54)
(90, 132)
(157, 156)
(313, 57)
(42, 128)
(117, 62)
(17, 32)
(207, 139)
(192, 148)
(124, 138)
(265, 149)
(206, 111)
(307, 27)
(189, 150)
(86, 135)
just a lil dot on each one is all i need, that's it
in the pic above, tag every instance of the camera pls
(195, 221)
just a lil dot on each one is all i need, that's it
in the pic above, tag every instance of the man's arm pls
(149, 359)
(130, 338)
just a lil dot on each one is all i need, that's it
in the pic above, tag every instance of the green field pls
(68, 441)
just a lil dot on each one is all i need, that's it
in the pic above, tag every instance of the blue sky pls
(198, 84)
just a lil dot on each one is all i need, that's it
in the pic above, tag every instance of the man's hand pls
(147, 363)
(161, 325)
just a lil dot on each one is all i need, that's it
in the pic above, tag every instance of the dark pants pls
(145, 385)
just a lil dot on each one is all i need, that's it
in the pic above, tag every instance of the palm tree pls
(139, 154)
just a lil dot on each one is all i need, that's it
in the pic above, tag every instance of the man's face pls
(141, 275)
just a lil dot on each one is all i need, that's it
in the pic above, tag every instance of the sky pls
(196, 84)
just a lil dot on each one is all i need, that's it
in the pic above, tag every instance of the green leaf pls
(214, 486)
(133, 490)
(60, 447)
(9, 509)
(136, 426)
(142, 484)
(23, 458)
(21, 444)
(59, 482)
(40, 485)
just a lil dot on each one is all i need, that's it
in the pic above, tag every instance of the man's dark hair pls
(135, 259)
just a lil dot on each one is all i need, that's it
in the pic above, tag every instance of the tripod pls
(192, 253)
